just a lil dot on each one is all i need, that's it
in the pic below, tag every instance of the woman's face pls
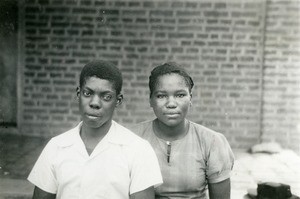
(171, 99)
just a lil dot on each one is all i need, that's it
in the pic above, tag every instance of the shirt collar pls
(115, 135)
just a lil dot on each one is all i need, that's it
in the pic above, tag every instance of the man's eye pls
(86, 93)
(107, 97)
(161, 96)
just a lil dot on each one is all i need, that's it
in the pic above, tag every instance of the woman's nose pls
(171, 102)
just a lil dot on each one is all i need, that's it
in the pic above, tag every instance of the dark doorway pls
(8, 62)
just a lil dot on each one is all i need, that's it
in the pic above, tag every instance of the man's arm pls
(145, 194)
(220, 190)
(40, 194)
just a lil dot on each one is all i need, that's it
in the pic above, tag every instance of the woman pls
(192, 158)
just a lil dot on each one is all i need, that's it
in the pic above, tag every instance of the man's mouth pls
(92, 117)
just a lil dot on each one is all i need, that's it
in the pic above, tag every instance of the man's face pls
(97, 102)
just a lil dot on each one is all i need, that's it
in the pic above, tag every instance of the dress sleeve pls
(42, 175)
(220, 159)
(145, 171)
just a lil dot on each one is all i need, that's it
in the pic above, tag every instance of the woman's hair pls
(168, 68)
(103, 70)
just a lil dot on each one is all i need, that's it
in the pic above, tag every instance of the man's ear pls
(77, 91)
(119, 99)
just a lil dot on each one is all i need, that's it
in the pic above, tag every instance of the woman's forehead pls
(172, 80)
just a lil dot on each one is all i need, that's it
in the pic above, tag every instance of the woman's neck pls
(170, 133)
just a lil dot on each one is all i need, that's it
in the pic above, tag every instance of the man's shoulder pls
(66, 138)
(127, 136)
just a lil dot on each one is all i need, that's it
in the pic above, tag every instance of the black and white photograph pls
(149, 99)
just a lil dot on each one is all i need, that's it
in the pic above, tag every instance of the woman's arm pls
(220, 190)
(145, 194)
(40, 194)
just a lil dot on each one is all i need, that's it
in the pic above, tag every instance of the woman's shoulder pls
(142, 127)
(203, 130)
(205, 134)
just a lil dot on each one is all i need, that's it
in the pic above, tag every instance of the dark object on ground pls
(272, 190)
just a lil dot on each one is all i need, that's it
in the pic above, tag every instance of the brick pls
(218, 14)
(83, 54)
(217, 29)
(139, 42)
(67, 97)
(41, 81)
(83, 10)
(82, 25)
(187, 13)
(59, 32)
(56, 10)
(162, 28)
(180, 35)
(55, 68)
(134, 12)
(64, 82)
(33, 67)
(34, 110)
(220, 5)
(148, 4)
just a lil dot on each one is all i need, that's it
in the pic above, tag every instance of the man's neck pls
(92, 136)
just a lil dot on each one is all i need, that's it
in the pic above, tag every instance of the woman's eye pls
(180, 95)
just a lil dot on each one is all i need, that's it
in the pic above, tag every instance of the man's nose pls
(95, 102)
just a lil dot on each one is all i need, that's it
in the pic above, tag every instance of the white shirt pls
(121, 164)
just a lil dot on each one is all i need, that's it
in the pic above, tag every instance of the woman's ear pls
(119, 99)
(150, 102)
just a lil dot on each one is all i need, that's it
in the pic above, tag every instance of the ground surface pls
(18, 154)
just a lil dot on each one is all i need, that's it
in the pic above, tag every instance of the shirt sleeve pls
(145, 171)
(42, 175)
(220, 159)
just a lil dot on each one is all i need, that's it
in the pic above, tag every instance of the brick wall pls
(219, 42)
(281, 97)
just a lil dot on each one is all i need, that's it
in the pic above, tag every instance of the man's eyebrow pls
(102, 92)
(87, 88)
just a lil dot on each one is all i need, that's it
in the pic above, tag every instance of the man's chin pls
(93, 124)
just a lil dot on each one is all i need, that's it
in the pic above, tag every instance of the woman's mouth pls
(171, 114)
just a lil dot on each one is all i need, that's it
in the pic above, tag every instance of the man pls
(99, 158)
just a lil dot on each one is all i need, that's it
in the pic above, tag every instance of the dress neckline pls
(156, 134)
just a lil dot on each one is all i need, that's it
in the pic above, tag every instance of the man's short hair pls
(103, 70)
(168, 68)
